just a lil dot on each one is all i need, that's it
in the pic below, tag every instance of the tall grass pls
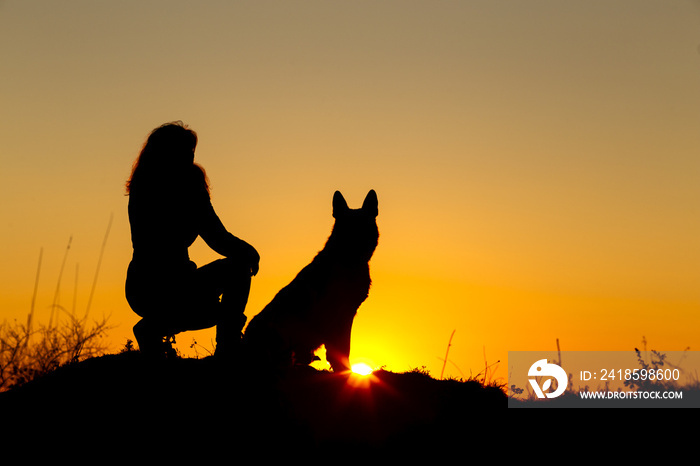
(30, 350)
(27, 354)
(485, 377)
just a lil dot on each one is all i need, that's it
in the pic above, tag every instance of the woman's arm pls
(212, 230)
(216, 236)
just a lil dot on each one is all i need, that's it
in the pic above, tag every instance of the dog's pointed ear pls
(371, 204)
(340, 206)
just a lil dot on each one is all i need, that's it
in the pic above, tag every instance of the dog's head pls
(356, 229)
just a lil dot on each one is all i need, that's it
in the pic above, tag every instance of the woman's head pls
(167, 154)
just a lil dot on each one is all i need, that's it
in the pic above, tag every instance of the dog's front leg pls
(338, 347)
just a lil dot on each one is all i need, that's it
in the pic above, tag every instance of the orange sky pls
(536, 162)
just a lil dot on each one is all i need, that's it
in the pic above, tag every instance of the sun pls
(361, 369)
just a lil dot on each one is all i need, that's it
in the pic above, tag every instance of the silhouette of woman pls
(169, 206)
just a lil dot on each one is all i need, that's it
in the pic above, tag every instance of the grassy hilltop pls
(302, 406)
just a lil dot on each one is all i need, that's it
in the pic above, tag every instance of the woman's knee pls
(225, 270)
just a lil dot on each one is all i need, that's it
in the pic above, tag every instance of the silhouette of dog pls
(319, 305)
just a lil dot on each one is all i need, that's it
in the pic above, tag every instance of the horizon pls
(536, 165)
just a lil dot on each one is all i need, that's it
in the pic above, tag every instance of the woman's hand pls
(251, 257)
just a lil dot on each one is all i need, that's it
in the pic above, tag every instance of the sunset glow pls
(536, 163)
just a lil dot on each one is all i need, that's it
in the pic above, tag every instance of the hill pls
(316, 409)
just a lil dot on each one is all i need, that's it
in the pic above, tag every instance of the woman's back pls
(166, 218)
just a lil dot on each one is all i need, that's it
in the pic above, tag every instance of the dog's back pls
(319, 305)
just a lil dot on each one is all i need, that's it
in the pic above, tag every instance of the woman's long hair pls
(168, 151)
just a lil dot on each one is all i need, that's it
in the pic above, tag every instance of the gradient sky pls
(536, 162)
